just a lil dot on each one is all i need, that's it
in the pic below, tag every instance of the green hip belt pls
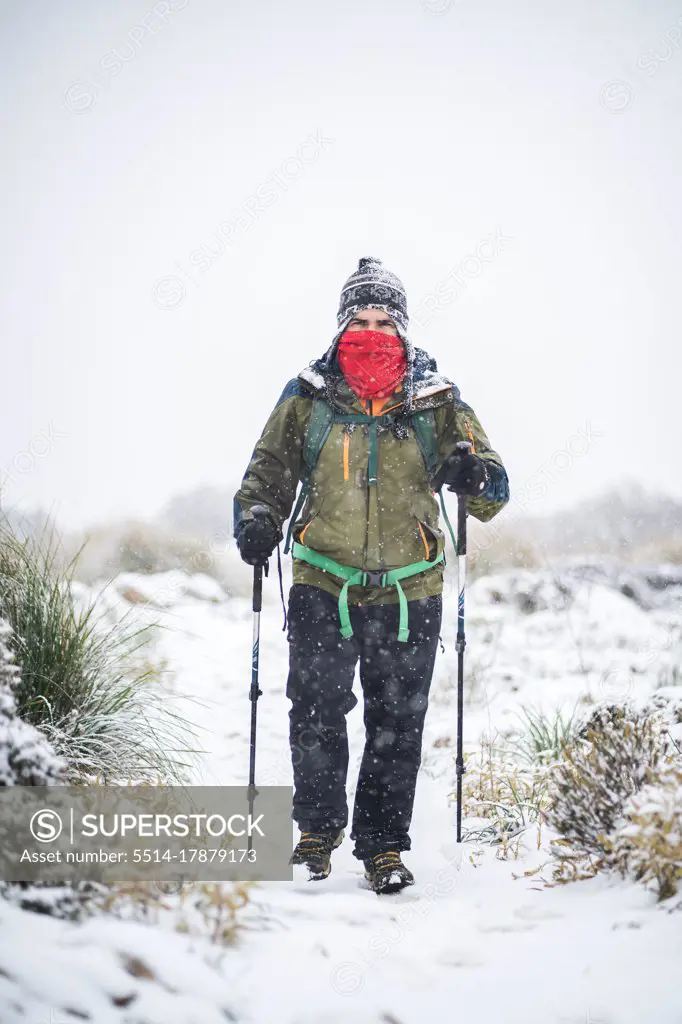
(365, 577)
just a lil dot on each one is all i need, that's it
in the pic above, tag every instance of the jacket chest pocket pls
(433, 539)
(342, 463)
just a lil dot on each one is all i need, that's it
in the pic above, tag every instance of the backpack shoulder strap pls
(320, 423)
(424, 427)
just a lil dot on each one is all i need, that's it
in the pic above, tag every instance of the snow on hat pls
(373, 285)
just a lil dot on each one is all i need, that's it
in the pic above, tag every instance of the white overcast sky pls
(132, 130)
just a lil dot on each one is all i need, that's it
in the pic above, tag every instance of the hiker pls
(364, 428)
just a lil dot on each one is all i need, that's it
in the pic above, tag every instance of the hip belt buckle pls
(374, 578)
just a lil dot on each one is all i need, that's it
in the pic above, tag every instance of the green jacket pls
(392, 523)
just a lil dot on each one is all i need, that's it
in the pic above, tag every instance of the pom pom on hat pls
(373, 285)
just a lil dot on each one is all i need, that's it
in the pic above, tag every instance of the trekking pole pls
(462, 447)
(255, 692)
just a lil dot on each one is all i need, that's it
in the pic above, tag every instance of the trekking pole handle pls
(461, 449)
(258, 512)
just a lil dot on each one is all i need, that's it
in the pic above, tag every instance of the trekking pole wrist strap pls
(365, 577)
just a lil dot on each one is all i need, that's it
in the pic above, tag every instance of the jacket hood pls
(422, 376)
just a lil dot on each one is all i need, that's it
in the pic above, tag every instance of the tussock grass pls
(83, 681)
(543, 737)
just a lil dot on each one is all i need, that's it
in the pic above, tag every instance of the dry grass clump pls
(500, 797)
(208, 909)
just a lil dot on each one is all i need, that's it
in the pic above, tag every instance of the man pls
(365, 428)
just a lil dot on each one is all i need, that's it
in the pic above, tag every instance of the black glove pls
(465, 474)
(258, 538)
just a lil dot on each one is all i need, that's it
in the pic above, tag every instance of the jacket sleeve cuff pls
(497, 488)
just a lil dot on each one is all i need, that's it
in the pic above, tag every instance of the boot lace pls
(315, 842)
(388, 859)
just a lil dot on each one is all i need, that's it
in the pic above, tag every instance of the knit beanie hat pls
(373, 285)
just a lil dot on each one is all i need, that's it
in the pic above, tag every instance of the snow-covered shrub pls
(647, 843)
(670, 708)
(26, 757)
(615, 754)
(528, 591)
(68, 901)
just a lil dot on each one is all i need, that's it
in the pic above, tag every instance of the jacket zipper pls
(364, 560)
(380, 534)
(346, 454)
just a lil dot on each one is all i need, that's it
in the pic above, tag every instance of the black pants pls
(395, 680)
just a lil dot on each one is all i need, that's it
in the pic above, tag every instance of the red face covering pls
(372, 362)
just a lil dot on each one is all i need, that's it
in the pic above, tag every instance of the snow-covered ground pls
(475, 938)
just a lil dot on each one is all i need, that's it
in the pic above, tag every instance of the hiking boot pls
(314, 849)
(386, 872)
